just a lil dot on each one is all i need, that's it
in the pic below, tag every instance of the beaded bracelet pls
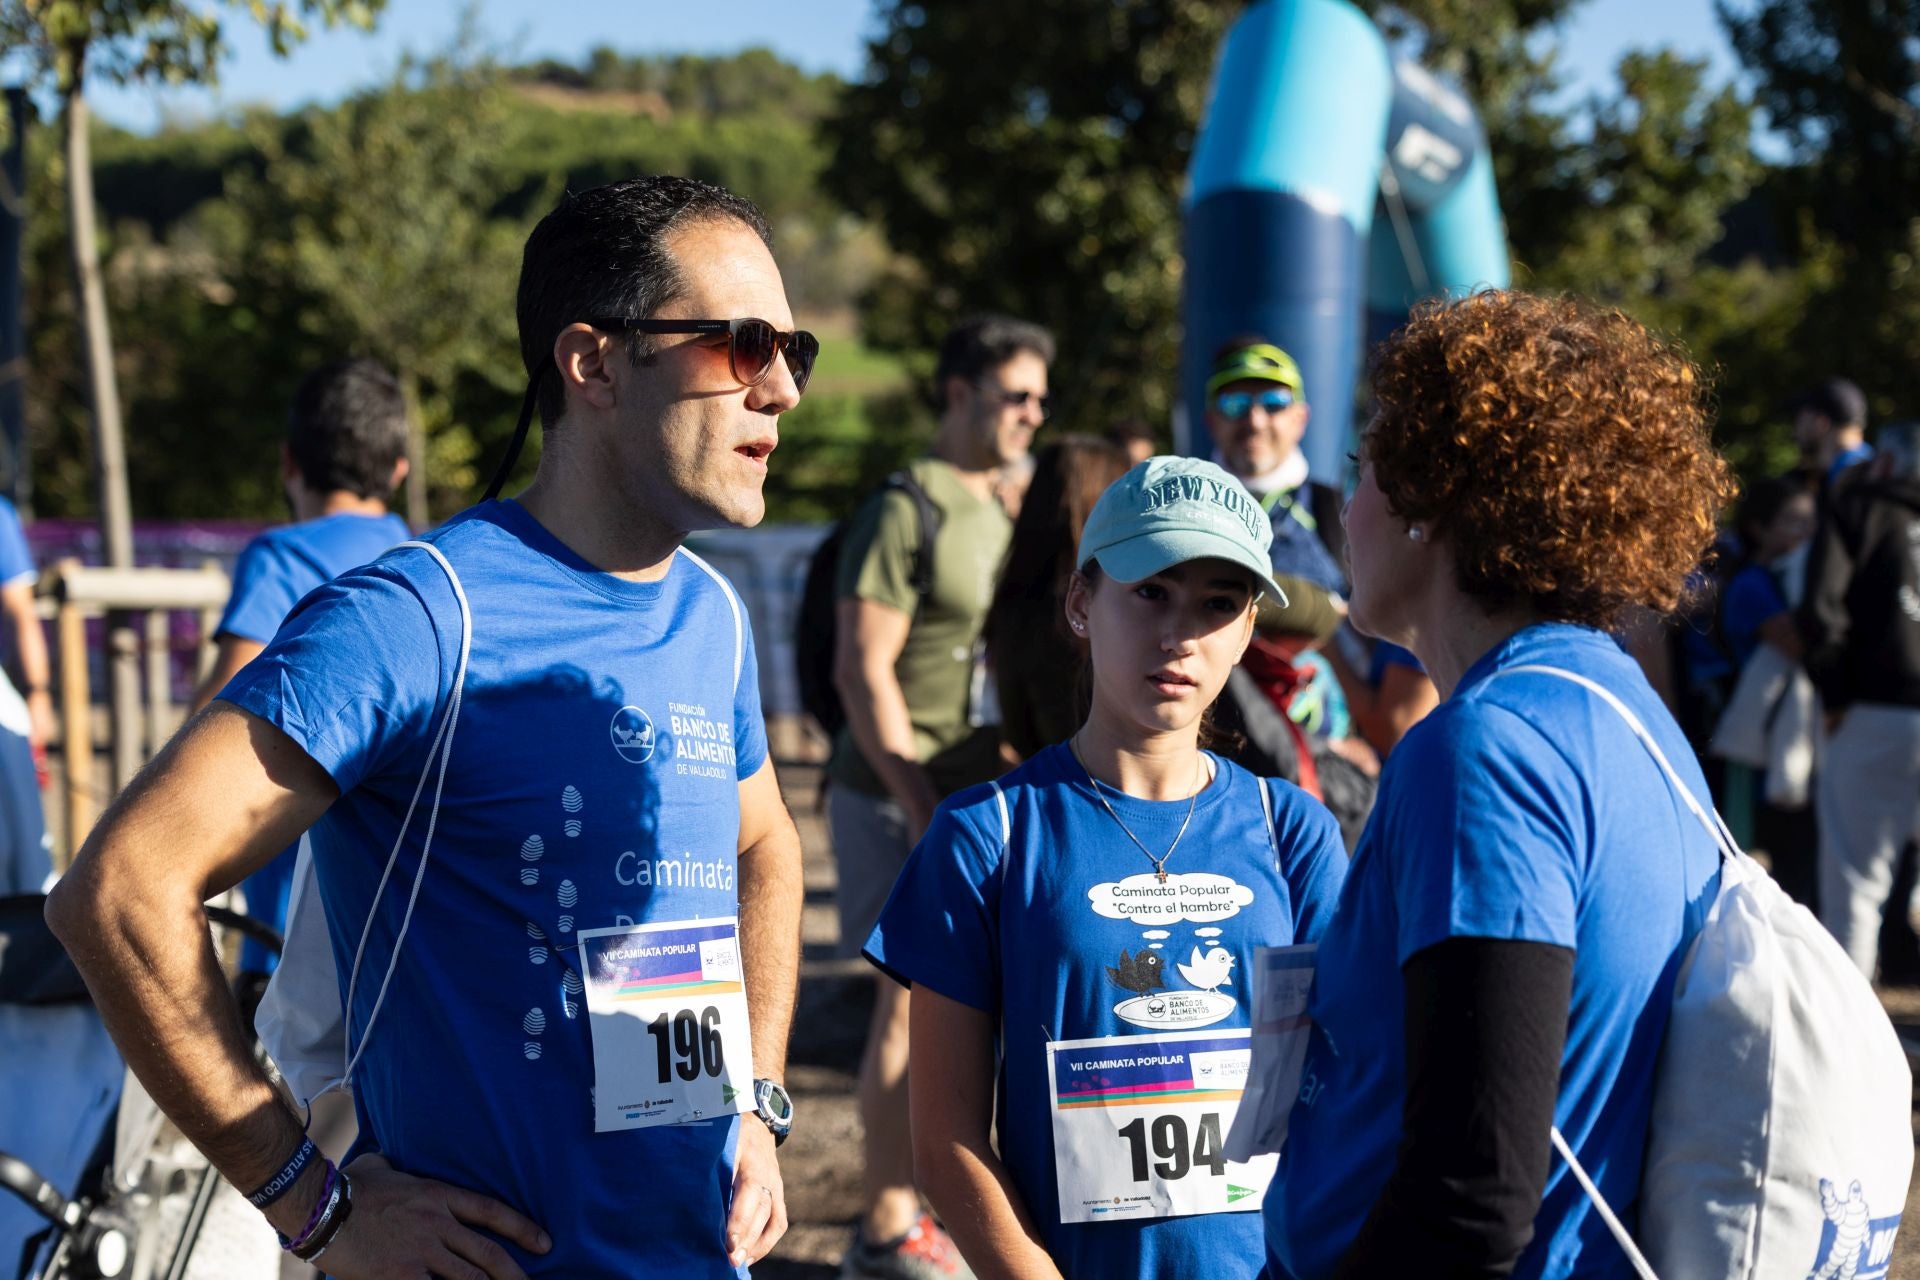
(282, 1182)
(329, 1228)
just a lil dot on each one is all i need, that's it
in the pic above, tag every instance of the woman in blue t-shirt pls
(1082, 934)
(1504, 953)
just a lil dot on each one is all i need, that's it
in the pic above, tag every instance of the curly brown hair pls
(1561, 449)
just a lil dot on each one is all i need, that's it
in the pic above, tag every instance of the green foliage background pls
(983, 160)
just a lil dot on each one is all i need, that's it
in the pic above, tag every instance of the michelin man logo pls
(632, 734)
(1854, 1245)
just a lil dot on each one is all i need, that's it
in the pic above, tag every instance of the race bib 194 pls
(668, 1019)
(1140, 1123)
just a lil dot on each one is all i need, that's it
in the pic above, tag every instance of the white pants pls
(1869, 807)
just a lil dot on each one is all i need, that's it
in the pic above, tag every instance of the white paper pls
(1282, 982)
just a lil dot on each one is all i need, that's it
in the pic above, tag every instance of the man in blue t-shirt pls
(345, 452)
(547, 837)
(25, 721)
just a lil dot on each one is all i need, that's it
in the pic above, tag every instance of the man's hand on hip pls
(406, 1227)
(759, 1216)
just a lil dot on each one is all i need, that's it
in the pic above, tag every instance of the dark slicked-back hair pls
(348, 427)
(983, 343)
(603, 252)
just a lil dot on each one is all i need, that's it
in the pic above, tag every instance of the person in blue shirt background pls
(608, 770)
(1830, 426)
(26, 715)
(1775, 521)
(345, 454)
(1078, 928)
(1504, 952)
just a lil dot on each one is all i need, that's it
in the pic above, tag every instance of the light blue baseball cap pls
(1169, 510)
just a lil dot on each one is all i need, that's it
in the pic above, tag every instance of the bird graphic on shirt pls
(1208, 971)
(1143, 973)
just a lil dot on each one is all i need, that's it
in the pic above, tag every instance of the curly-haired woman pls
(1504, 952)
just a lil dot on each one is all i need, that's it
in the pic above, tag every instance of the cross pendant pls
(1158, 871)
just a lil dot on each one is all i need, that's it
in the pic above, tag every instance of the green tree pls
(1033, 167)
(69, 43)
(376, 216)
(1840, 80)
(1664, 161)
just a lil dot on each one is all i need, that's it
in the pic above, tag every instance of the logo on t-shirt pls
(1194, 899)
(632, 734)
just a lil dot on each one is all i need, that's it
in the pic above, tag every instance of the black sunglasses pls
(1018, 399)
(752, 347)
(752, 344)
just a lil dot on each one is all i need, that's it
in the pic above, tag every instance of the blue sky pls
(821, 35)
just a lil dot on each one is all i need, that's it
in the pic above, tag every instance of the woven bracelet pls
(329, 1230)
(282, 1182)
(329, 1193)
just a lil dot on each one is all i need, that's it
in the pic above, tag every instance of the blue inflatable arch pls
(1332, 187)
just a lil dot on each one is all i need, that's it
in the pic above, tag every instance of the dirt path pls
(822, 1163)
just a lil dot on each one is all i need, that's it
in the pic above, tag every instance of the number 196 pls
(696, 1046)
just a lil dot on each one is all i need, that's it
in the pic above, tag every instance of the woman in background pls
(1776, 519)
(1035, 659)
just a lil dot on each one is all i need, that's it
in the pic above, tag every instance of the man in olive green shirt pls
(907, 669)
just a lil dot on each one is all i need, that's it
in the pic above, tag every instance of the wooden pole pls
(109, 444)
(159, 681)
(76, 713)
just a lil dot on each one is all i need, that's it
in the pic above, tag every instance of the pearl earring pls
(1415, 533)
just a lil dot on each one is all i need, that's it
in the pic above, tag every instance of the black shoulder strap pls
(929, 527)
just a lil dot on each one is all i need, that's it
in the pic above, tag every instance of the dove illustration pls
(1141, 973)
(1209, 971)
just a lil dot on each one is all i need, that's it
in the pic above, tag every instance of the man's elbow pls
(73, 908)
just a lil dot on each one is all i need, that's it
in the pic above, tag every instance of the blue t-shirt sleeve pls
(1751, 598)
(1388, 654)
(1313, 859)
(265, 590)
(749, 720)
(16, 558)
(1483, 831)
(358, 673)
(938, 929)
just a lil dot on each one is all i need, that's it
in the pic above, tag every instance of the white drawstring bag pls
(1780, 1145)
(300, 1020)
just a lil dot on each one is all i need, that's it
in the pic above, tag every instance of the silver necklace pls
(1099, 793)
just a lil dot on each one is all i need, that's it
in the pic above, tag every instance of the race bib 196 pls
(668, 1018)
(1140, 1123)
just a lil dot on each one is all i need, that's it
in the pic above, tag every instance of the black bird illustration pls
(1141, 973)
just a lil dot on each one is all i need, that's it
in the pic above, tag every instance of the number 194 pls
(1170, 1143)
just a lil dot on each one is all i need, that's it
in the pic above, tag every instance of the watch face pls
(773, 1102)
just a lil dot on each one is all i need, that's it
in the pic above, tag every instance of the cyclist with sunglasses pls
(603, 832)
(911, 606)
(1257, 413)
(1081, 934)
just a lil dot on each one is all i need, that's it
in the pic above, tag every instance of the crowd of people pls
(1108, 725)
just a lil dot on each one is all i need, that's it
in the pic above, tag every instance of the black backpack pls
(813, 638)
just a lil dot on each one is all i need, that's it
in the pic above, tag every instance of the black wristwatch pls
(772, 1104)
